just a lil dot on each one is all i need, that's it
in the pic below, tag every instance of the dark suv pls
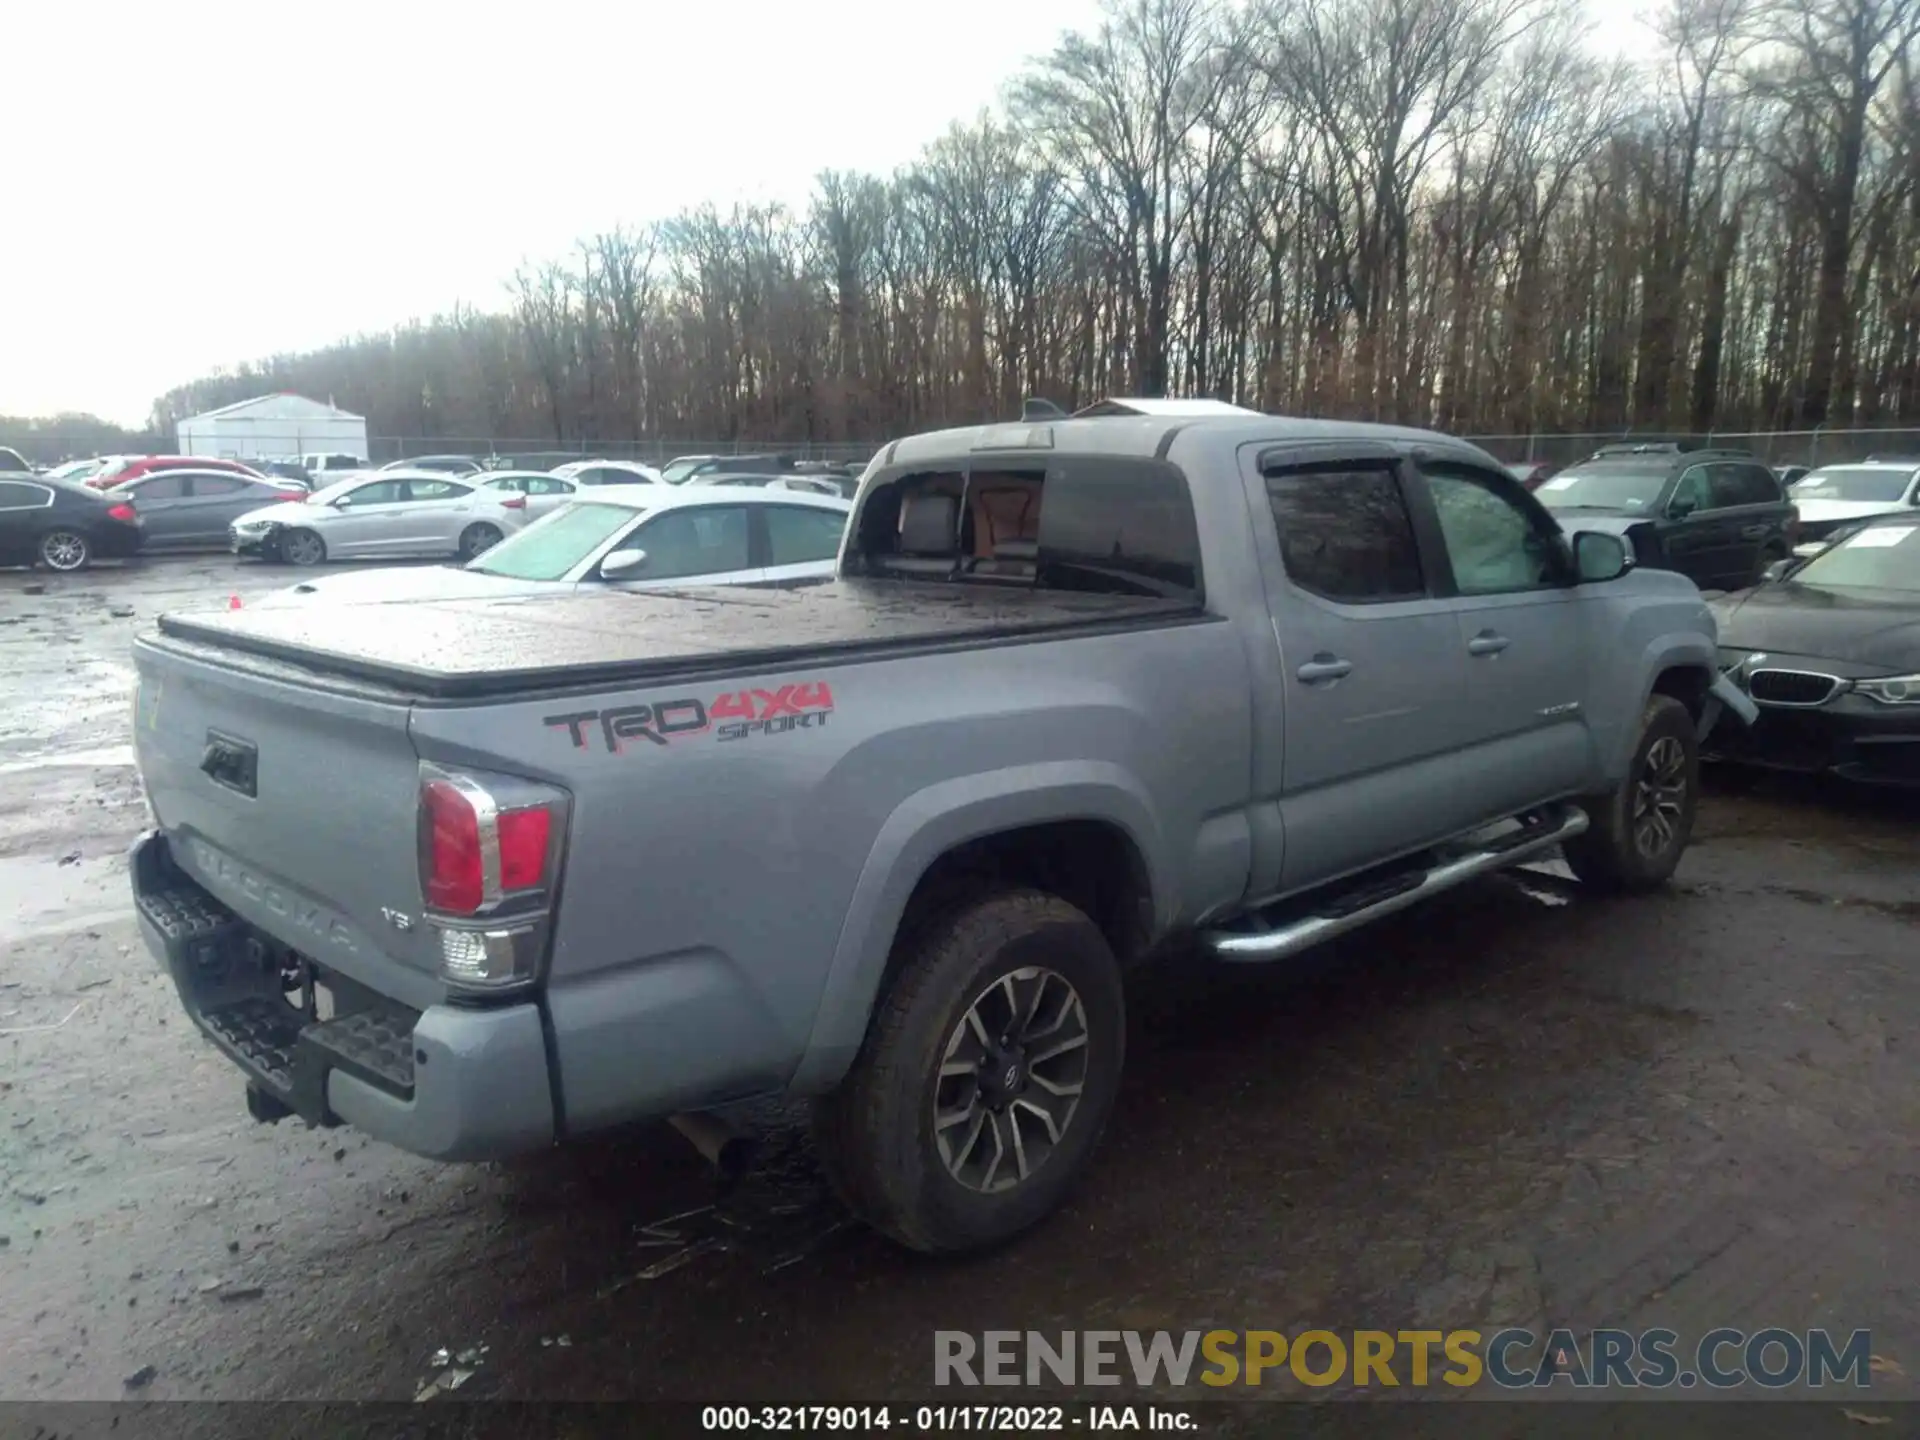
(1719, 517)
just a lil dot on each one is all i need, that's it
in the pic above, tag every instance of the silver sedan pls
(387, 514)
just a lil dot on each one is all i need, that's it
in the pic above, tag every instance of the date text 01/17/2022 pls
(735, 715)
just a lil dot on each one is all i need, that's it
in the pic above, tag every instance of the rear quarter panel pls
(742, 871)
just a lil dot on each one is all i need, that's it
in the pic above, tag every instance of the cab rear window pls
(1096, 523)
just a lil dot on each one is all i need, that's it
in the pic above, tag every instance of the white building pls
(271, 426)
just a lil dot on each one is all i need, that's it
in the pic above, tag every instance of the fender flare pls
(1675, 650)
(924, 827)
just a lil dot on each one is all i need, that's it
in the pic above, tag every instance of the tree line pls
(1438, 212)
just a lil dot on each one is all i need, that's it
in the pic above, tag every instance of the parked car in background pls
(609, 472)
(195, 509)
(1835, 495)
(685, 468)
(1830, 653)
(383, 515)
(331, 465)
(809, 484)
(1530, 473)
(291, 471)
(75, 471)
(1718, 517)
(61, 525)
(636, 537)
(119, 469)
(12, 462)
(1788, 474)
(543, 492)
(439, 464)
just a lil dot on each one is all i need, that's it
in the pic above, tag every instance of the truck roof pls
(1120, 433)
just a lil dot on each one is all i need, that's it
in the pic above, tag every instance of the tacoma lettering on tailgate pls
(302, 915)
(734, 715)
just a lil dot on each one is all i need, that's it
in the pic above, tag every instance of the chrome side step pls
(1291, 937)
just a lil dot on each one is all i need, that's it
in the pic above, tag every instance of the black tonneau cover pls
(468, 648)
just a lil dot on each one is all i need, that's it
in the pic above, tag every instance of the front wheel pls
(65, 551)
(987, 1074)
(1640, 829)
(477, 539)
(301, 547)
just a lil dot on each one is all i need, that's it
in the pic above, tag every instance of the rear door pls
(548, 494)
(1701, 538)
(166, 514)
(214, 502)
(23, 509)
(434, 515)
(368, 521)
(802, 542)
(1522, 626)
(1749, 497)
(704, 544)
(1374, 679)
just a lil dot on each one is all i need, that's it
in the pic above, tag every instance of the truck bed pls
(457, 650)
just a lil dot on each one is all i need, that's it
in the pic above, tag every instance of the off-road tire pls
(875, 1132)
(1607, 857)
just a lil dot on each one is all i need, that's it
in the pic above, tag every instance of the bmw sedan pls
(633, 537)
(1830, 653)
(388, 514)
(61, 525)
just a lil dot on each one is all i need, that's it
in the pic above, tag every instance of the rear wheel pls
(301, 547)
(65, 550)
(987, 1074)
(1639, 830)
(478, 538)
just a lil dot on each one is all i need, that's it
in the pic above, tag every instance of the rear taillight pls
(514, 502)
(122, 511)
(489, 861)
(1793, 526)
(290, 495)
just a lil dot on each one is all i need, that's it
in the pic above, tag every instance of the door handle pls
(1324, 668)
(1487, 642)
(1754, 532)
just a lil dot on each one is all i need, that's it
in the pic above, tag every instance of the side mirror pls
(1599, 557)
(1778, 571)
(623, 564)
(1679, 509)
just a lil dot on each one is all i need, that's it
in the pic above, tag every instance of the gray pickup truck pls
(478, 876)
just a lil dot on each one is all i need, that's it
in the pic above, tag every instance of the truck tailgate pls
(296, 806)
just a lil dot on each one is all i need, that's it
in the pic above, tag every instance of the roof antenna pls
(1033, 410)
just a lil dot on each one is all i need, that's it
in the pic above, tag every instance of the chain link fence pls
(1821, 446)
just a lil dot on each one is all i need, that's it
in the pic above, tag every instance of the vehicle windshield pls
(551, 547)
(1854, 482)
(1607, 485)
(1880, 557)
(680, 471)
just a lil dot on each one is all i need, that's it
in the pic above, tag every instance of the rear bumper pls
(448, 1082)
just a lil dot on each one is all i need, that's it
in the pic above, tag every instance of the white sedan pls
(634, 537)
(383, 515)
(608, 472)
(545, 492)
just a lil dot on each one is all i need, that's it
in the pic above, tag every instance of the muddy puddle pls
(48, 895)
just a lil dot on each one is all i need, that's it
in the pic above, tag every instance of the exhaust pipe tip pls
(728, 1150)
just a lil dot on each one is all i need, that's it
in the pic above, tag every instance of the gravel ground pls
(1516, 1105)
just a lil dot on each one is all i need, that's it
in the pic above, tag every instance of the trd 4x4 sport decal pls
(735, 715)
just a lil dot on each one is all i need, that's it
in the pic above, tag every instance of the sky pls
(199, 183)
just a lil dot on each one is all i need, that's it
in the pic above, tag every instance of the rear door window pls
(798, 535)
(160, 487)
(207, 485)
(1346, 534)
(17, 495)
